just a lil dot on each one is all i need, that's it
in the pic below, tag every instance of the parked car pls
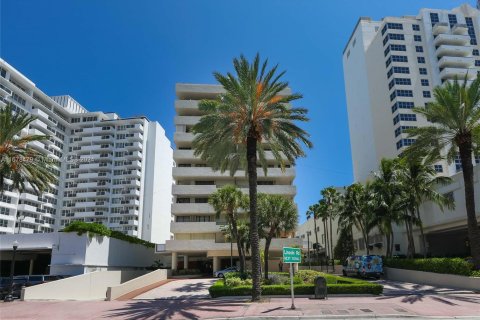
(222, 273)
(363, 266)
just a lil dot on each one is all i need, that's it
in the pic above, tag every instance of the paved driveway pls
(406, 288)
(180, 289)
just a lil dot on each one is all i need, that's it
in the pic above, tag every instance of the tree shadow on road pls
(169, 309)
(194, 287)
(443, 298)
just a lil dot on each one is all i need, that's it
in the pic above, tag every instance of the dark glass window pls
(416, 27)
(423, 70)
(418, 48)
(417, 37)
(421, 59)
(427, 94)
(434, 18)
(424, 82)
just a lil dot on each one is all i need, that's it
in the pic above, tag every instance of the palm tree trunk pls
(325, 229)
(465, 149)
(254, 237)
(424, 240)
(317, 251)
(331, 240)
(268, 240)
(239, 245)
(387, 236)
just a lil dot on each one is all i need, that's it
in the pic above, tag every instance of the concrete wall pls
(137, 283)
(90, 286)
(433, 279)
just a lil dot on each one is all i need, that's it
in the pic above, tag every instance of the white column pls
(30, 268)
(185, 262)
(174, 261)
(216, 264)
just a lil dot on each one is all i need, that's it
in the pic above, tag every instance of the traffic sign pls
(292, 255)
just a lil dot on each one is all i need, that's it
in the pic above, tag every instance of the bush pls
(81, 227)
(275, 279)
(218, 289)
(237, 281)
(456, 266)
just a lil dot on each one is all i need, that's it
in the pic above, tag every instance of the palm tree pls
(388, 201)
(252, 116)
(228, 200)
(420, 182)
(277, 215)
(313, 212)
(332, 198)
(455, 118)
(356, 210)
(18, 161)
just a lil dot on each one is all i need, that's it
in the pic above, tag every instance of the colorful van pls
(364, 266)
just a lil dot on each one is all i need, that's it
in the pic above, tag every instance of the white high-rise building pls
(392, 65)
(197, 236)
(110, 170)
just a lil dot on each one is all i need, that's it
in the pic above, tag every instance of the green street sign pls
(292, 255)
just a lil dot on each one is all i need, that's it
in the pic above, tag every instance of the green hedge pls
(81, 227)
(218, 289)
(456, 266)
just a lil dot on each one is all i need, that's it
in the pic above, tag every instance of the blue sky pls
(126, 56)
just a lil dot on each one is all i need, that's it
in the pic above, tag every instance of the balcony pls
(26, 207)
(132, 233)
(459, 73)
(205, 172)
(39, 113)
(135, 146)
(192, 208)
(186, 120)
(85, 204)
(183, 138)
(206, 190)
(87, 185)
(187, 107)
(452, 39)
(4, 90)
(440, 27)
(134, 155)
(86, 194)
(454, 51)
(460, 29)
(456, 62)
(194, 227)
(28, 196)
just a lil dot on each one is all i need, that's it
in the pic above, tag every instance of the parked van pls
(363, 266)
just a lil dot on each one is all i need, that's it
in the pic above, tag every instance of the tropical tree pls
(455, 117)
(420, 183)
(228, 200)
(313, 212)
(18, 161)
(331, 198)
(344, 247)
(388, 200)
(252, 115)
(277, 215)
(356, 210)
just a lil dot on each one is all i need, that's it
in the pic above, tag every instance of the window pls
(390, 85)
(418, 48)
(458, 163)
(4, 211)
(417, 38)
(405, 143)
(398, 47)
(404, 70)
(387, 63)
(402, 105)
(399, 58)
(393, 26)
(427, 94)
(403, 81)
(404, 93)
(477, 63)
(416, 27)
(438, 168)
(420, 59)
(422, 70)
(386, 51)
(471, 30)
(402, 129)
(396, 36)
(389, 73)
(452, 20)
(424, 82)
(434, 18)
(475, 52)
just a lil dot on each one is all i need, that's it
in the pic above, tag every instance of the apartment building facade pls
(110, 170)
(391, 66)
(198, 241)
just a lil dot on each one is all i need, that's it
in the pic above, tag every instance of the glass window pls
(417, 37)
(418, 48)
(427, 94)
(424, 82)
(416, 27)
(420, 59)
(423, 70)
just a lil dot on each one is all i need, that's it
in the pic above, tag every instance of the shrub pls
(308, 276)
(237, 281)
(456, 266)
(475, 273)
(218, 289)
(81, 227)
(275, 278)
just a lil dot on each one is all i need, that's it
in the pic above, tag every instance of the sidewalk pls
(445, 305)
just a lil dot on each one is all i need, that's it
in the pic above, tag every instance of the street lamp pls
(9, 297)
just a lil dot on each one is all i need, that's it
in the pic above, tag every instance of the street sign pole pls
(291, 286)
(292, 256)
